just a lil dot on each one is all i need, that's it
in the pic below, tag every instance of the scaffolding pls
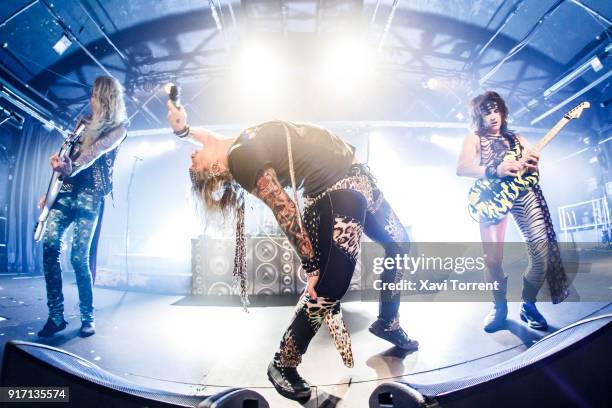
(592, 215)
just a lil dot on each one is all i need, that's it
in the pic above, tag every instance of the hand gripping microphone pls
(173, 94)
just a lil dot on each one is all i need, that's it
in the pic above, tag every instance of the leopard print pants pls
(336, 220)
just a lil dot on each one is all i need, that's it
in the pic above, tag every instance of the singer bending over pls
(341, 201)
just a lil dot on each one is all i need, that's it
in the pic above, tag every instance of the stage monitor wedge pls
(35, 365)
(569, 368)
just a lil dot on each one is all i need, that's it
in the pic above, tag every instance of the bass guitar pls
(491, 199)
(56, 182)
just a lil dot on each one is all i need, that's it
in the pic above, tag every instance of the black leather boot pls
(496, 319)
(395, 335)
(87, 329)
(533, 318)
(529, 312)
(288, 382)
(50, 328)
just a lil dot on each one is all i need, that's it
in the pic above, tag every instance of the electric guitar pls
(56, 182)
(490, 200)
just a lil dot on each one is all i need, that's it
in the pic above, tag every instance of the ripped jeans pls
(335, 221)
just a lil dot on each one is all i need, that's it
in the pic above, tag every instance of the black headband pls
(488, 106)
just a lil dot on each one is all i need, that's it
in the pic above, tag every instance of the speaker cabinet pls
(273, 267)
(266, 266)
(212, 266)
(289, 265)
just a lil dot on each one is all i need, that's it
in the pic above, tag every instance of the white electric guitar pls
(56, 182)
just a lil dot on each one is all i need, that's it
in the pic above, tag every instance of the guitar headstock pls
(577, 111)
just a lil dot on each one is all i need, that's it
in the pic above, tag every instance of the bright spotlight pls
(346, 63)
(259, 69)
(434, 84)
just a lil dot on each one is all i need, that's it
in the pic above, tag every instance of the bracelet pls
(491, 171)
(311, 266)
(183, 133)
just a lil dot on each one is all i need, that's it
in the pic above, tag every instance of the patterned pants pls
(335, 221)
(533, 219)
(82, 209)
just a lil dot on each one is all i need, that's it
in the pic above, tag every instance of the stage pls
(177, 344)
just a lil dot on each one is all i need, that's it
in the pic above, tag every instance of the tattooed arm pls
(85, 158)
(103, 145)
(270, 191)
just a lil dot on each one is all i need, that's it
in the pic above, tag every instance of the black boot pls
(51, 328)
(529, 312)
(533, 318)
(395, 335)
(87, 329)
(496, 319)
(288, 382)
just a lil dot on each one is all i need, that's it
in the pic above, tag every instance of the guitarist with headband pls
(483, 156)
(87, 177)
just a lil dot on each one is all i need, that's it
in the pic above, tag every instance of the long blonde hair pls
(107, 94)
(219, 194)
(216, 194)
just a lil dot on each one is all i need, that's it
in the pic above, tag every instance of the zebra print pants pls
(532, 216)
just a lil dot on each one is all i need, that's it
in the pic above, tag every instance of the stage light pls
(434, 84)
(345, 64)
(49, 126)
(596, 64)
(593, 63)
(259, 70)
(62, 45)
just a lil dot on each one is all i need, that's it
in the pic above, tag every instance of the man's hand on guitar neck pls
(62, 165)
(514, 168)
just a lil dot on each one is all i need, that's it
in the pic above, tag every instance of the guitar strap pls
(292, 175)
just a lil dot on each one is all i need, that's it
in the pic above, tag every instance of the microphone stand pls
(127, 220)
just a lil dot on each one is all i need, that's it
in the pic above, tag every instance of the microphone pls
(173, 94)
(138, 158)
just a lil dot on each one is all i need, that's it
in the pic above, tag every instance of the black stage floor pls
(176, 344)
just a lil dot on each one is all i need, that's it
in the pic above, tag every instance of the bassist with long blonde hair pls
(86, 175)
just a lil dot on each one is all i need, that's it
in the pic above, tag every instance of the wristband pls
(491, 172)
(310, 266)
(182, 133)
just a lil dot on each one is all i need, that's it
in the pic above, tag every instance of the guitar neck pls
(551, 134)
